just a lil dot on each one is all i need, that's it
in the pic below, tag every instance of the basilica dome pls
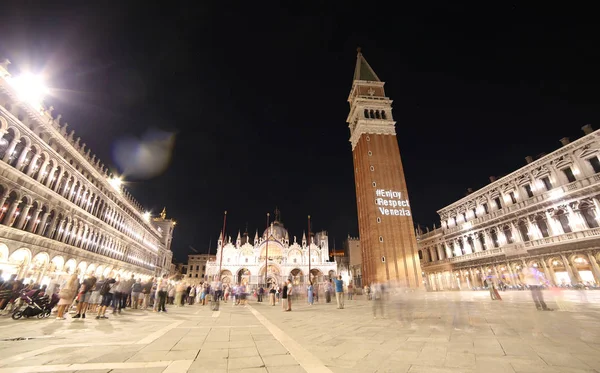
(277, 230)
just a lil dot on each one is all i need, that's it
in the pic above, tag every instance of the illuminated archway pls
(226, 276)
(297, 276)
(70, 266)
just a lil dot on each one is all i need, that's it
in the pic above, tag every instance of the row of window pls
(567, 171)
(586, 212)
(375, 114)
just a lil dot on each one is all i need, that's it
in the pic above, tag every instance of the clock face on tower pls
(387, 238)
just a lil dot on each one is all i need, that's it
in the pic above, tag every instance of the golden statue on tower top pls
(163, 214)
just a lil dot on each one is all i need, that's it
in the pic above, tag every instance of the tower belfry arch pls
(387, 238)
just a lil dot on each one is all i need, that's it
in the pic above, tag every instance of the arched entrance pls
(19, 260)
(243, 276)
(226, 276)
(316, 276)
(273, 276)
(297, 276)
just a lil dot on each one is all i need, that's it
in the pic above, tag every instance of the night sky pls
(257, 99)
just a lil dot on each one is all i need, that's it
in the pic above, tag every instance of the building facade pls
(543, 215)
(387, 238)
(353, 250)
(196, 266)
(60, 209)
(272, 258)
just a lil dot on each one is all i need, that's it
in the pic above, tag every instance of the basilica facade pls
(273, 258)
(61, 211)
(545, 215)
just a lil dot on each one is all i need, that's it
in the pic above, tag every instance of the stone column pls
(457, 251)
(468, 248)
(567, 265)
(548, 272)
(11, 211)
(554, 228)
(50, 177)
(534, 231)
(43, 168)
(477, 244)
(575, 271)
(40, 227)
(10, 149)
(67, 228)
(54, 228)
(33, 219)
(575, 220)
(440, 251)
(513, 277)
(515, 233)
(489, 244)
(22, 219)
(22, 158)
(448, 250)
(32, 164)
(495, 269)
(595, 267)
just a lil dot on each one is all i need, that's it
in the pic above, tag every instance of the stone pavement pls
(423, 332)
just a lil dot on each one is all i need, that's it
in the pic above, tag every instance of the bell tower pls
(387, 238)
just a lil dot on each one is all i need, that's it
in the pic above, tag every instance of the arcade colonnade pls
(57, 200)
(559, 269)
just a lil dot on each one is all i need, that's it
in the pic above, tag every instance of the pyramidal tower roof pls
(363, 70)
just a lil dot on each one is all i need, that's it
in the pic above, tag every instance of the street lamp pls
(30, 88)
(116, 183)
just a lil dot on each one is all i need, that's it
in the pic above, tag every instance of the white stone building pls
(546, 215)
(244, 261)
(60, 209)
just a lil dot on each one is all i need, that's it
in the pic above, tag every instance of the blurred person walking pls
(533, 279)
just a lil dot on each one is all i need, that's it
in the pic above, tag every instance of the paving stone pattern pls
(421, 332)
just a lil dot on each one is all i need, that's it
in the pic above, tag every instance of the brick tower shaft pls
(388, 242)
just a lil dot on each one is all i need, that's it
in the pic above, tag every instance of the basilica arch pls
(243, 276)
(226, 276)
(297, 276)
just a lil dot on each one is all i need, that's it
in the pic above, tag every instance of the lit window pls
(528, 190)
(595, 163)
(569, 174)
(547, 183)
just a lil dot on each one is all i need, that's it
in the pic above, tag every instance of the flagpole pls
(267, 251)
(222, 244)
(309, 242)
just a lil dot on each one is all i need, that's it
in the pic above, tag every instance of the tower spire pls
(363, 70)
